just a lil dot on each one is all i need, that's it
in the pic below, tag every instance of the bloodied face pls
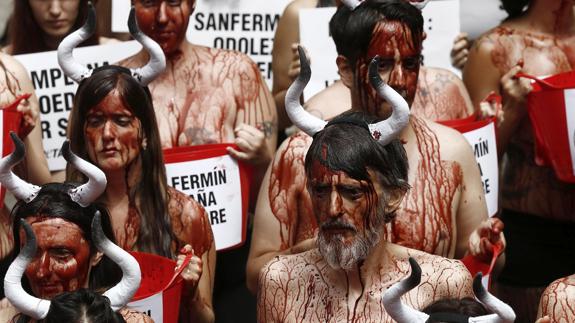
(349, 214)
(165, 21)
(62, 262)
(400, 60)
(113, 134)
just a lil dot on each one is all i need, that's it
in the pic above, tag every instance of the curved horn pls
(32, 306)
(20, 188)
(387, 130)
(73, 69)
(351, 4)
(503, 312)
(419, 4)
(302, 119)
(87, 193)
(157, 62)
(392, 302)
(123, 292)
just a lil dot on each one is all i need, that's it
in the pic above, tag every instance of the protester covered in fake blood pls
(538, 38)
(356, 171)
(113, 126)
(557, 300)
(208, 96)
(67, 257)
(444, 213)
(441, 95)
(16, 91)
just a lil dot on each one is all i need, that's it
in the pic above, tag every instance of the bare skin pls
(206, 95)
(557, 301)
(303, 287)
(440, 95)
(14, 82)
(10, 314)
(444, 206)
(539, 43)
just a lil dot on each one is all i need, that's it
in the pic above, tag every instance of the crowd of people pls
(368, 212)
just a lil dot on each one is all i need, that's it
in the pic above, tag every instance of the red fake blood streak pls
(289, 200)
(424, 220)
(558, 301)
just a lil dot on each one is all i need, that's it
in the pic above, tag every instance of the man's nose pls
(43, 266)
(162, 15)
(396, 76)
(335, 204)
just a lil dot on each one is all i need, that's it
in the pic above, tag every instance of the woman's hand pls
(193, 271)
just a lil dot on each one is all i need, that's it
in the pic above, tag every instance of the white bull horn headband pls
(37, 308)
(78, 72)
(403, 313)
(84, 194)
(384, 131)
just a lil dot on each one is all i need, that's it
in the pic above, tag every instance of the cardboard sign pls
(440, 25)
(216, 181)
(247, 26)
(56, 91)
(481, 136)
(152, 306)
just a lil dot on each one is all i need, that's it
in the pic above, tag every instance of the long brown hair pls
(155, 235)
(26, 36)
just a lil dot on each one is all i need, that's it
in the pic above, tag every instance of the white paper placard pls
(152, 306)
(441, 23)
(215, 184)
(478, 17)
(484, 147)
(56, 91)
(570, 114)
(247, 26)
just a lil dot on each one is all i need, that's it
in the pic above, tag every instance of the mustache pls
(337, 224)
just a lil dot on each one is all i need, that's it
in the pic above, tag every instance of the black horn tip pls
(478, 288)
(29, 248)
(415, 277)
(305, 70)
(133, 22)
(66, 151)
(19, 148)
(90, 24)
(374, 76)
(97, 232)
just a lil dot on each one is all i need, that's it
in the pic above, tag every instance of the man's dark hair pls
(352, 30)
(454, 310)
(346, 145)
(82, 306)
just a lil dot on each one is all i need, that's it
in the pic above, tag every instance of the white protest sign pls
(482, 140)
(478, 17)
(247, 26)
(570, 115)
(214, 183)
(152, 306)
(315, 37)
(440, 25)
(56, 91)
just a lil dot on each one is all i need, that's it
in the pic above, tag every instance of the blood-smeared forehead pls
(55, 231)
(391, 38)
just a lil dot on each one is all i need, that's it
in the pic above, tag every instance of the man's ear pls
(423, 36)
(345, 71)
(394, 199)
(96, 258)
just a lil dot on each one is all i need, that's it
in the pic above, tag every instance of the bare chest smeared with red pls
(527, 187)
(303, 288)
(558, 299)
(425, 220)
(204, 94)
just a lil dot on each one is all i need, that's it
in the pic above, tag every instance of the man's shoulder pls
(451, 142)
(290, 267)
(294, 145)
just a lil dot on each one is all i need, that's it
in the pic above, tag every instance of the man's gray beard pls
(339, 256)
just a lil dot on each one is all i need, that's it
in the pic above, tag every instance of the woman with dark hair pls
(61, 252)
(113, 125)
(535, 205)
(45, 24)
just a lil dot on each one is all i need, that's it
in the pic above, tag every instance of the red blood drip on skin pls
(558, 300)
(438, 98)
(424, 220)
